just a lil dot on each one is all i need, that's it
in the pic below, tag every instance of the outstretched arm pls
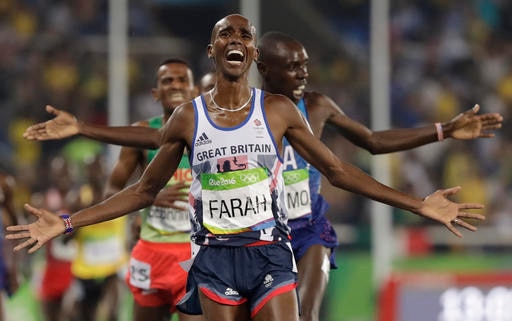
(139, 195)
(467, 125)
(436, 206)
(65, 125)
(49, 225)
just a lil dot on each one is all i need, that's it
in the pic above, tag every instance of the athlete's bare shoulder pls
(278, 101)
(316, 99)
(184, 111)
(282, 114)
(321, 108)
(181, 123)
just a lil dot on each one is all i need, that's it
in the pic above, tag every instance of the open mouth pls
(299, 91)
(176, 97)
(235, 57)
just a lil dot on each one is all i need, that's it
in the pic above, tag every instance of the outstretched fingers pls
(32, 210)
(490, 122)
(458, 222)
(40, 131)
(452, 228)
(37, 246)
(486, 135)
(52, 110)
(462, 223)
(25, 244)
(47, 226)
(461, 213)
(491, 118)
(15, 236)
(36, 127)
(471, 206)
(34, 132)
(473, 216)
(23, 234)
(450, 191)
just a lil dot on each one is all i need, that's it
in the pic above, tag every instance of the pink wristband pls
(439, 130)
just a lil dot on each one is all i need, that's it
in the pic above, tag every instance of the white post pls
(251, 10)
(382, 246)
(117, 75)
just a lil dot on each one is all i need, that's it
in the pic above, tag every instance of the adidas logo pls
(203, 140)
(268, 281)
(230, 291)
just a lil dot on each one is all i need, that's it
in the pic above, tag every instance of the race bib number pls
(169, 220)
(236, 202)
(140, 274)
(106, 251)
(298, 197)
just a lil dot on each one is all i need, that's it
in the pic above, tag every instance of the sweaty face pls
(175, 85)
(233, 47)
(287, 71)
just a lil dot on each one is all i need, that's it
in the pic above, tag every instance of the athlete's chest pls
(222, 119)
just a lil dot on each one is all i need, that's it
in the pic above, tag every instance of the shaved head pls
(222, 22)
(273, 42)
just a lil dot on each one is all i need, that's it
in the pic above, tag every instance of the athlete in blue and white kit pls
(282, 64)
(238, 195)
(244, 266)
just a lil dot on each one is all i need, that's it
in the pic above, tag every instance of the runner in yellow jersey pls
(101, 254)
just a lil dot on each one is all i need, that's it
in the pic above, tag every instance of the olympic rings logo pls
(291, 177)
(249, 178)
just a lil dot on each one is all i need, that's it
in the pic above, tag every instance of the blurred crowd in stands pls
(446, 56)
